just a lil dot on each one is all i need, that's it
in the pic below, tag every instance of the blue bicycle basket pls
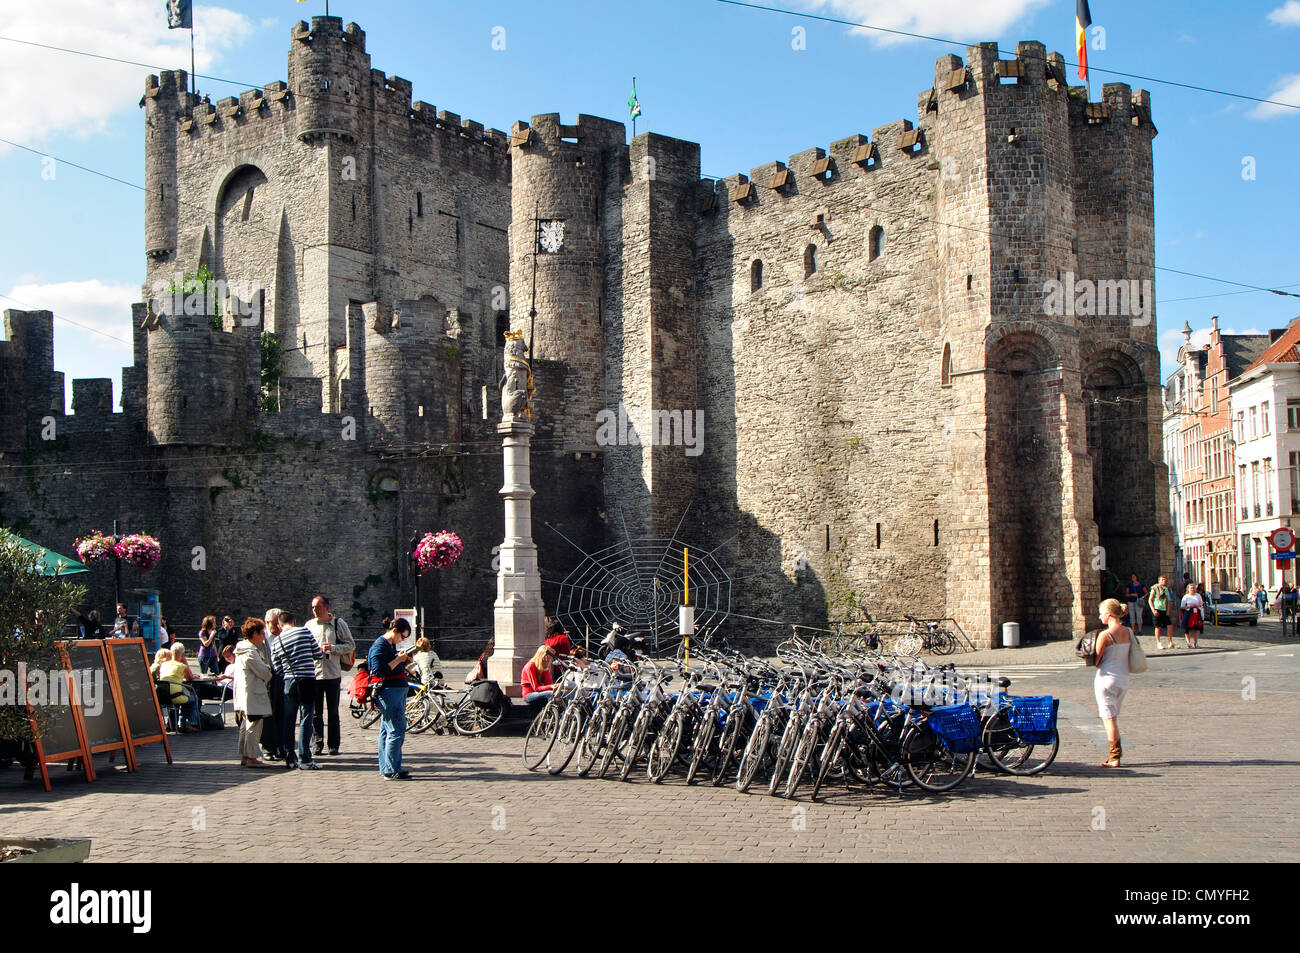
(1034, 719)
(957, 725)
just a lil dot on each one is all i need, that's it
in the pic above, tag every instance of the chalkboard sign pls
(97, 691)
(139, 700)
(63, 736)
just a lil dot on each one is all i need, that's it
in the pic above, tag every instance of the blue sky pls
(727, 77)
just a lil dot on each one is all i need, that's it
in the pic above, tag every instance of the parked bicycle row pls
(812, 718)
(913, 636)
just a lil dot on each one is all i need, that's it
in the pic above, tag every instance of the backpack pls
(1160, 599)
(485, 693)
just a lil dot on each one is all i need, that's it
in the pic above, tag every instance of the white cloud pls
(47, 93)
(92, 326)
(1287, 15)
(1287, 91)
(966, 21)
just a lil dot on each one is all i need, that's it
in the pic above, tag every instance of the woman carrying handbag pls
(1110, 685)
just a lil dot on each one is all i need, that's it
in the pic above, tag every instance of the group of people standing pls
(285, 678)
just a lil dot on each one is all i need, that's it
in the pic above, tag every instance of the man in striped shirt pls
(294, 653)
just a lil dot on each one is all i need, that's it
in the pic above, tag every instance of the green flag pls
(634, 107)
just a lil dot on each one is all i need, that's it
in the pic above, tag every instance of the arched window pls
(945, 368)
(756, 274)
(809, 260)
(875, 243)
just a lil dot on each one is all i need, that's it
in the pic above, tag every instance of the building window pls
(1293, 469)
(1254, 423)
(756, 275)
(1241, 426)
(876, 244)
(945, 368)
(1264, 410)
(419, 205)
(1268, 486)
(809, 260)
(1293, 415)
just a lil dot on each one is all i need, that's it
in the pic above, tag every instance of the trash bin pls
(1010, 635)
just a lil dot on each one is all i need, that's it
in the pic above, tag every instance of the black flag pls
(180, 14)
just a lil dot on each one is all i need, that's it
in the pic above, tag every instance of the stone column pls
(519, 616)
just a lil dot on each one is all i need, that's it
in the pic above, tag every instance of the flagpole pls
(194, 82)
(638, 103)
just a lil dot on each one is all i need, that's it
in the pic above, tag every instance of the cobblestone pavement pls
(1209, 775)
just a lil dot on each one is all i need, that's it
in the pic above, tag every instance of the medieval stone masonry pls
(879, 407)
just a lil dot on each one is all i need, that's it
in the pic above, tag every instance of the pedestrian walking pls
(252, 702)
(389, 666)
(338, 648)
(1158, 599)
(1192, 610)
(1110, 684)
(293, 654)
(1134, 594)
(208, 642)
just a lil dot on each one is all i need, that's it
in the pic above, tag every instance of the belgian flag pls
(1082, 20)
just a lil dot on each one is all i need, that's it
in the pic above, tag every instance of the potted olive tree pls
(36, 596)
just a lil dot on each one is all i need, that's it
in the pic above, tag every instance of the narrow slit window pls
(809, 260)
(419, 205)
(945, 367)
(877, 536)
(756, 275)
(875, 243)
(936, 532)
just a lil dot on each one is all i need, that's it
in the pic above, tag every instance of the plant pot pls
(49, 850)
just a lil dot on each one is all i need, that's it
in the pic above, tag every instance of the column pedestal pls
(519, 616)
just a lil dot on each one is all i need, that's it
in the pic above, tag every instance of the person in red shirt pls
(557, 638)
(536, 678)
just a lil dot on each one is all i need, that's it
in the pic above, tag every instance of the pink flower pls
(438, 550)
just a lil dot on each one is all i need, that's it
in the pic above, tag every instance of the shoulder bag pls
(1137, 656)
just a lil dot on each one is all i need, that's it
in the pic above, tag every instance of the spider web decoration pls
(638, 584)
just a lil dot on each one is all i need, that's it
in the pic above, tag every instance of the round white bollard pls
(1010, 635)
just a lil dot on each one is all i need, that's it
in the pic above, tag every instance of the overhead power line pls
(958, 43)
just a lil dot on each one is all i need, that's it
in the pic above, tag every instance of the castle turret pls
(329, 74)
(565, 179)
(165, 101)
(200, 393)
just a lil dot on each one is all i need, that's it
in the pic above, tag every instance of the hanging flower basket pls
(139, 550)
(438, 550)
(94, 547)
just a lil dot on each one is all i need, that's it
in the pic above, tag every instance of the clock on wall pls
(550, 235)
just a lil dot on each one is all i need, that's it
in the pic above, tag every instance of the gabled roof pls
(1242, 351)
(1285, 350)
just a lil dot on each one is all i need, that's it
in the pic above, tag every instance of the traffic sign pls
(1281, 539)
(1281, 557)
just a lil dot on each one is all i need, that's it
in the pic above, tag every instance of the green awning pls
(49, 562)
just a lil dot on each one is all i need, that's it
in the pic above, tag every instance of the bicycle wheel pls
(636, 743)
(728, 745)
(471, 718)
(370, 717)
(593, 741)
(803, 756)
(830, 757)
(703, 738)
(664, 751)
(755, 753)
(567, 739)
(944, 642)
(419, 714)
(617, 732)
(1009, 754)
(784, 752)
(540, 736)
(930, 764)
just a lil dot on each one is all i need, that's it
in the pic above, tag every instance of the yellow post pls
(686, 597)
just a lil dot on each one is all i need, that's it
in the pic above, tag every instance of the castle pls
(891, 417)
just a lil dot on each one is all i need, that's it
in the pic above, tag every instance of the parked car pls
(1234, 607)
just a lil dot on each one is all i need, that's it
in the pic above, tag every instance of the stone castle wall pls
(892, 421)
